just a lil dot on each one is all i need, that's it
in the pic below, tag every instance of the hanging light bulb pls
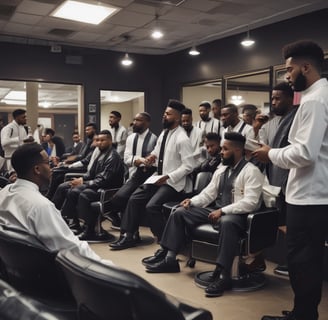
(247, 42)
(157, 33)
(193, 51)
(126, 61)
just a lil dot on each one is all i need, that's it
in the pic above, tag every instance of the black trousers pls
(148, 200)
(306, 230)
(231, 228)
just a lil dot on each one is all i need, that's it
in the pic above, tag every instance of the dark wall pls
(160, 77)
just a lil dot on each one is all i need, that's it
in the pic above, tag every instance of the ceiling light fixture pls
(193, 51)
(126, 61)
(247, 42)
(157, 33)
(91, 12)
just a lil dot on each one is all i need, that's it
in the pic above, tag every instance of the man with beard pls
(306, 192)
(119, 133)
(214, 204)
(138, 145)
(23, 206)
(173, 157)
(207, 124)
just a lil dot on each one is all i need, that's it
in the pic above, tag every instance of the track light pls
(247, 42)
(193, 51)
(126, 61)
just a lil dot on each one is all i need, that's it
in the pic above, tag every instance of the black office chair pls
(30, 268)
(3, 181)
(104, 292)
(261, 233)
(15, 306)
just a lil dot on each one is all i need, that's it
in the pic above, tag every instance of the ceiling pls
(184, 22)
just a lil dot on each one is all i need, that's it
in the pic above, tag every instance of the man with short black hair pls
(214, 204)
(119, 132)
(14, 135)
(25, 208)
(206, 123)
(307, 186)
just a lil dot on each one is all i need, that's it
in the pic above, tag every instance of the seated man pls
(107, 171)
(24, 207)
(234, 191)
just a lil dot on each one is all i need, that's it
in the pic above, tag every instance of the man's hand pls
(150, 160)
(215, 215)
(185, 203)
(76, 182)
(262, 154)
(161, 181)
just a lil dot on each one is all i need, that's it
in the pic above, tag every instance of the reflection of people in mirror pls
(92, 118)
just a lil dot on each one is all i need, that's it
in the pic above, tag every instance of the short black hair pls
(186, 111)
(145, 115)
(106, 132)
(285, 88)
(213, 136)
(218, 102)
(116, 114)
(176, 105)
(26, 157)
(250, 107)
(305, 49)
(232, 108)
(92, 124)
(49, 131)
(237, 138)
(18, 112)
(205, 104)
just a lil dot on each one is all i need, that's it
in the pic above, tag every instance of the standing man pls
(173, 157)
(216, 108)
(206, 123)
(195, 135)
(119, 133)
(138, 145)
(13, 135)
(307, 191)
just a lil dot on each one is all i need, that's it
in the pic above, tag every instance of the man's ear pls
(36, 169)
(306, 67)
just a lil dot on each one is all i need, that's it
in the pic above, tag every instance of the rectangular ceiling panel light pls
(84, 12)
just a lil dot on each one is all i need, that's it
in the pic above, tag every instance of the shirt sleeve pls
(306, 141)
(7, 139)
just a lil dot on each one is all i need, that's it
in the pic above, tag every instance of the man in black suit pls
(107, 171)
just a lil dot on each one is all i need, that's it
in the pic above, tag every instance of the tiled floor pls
(271, 299)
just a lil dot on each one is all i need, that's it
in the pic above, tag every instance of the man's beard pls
(299, 83)
(137, 129)
(204, 117)
(167, 124)
(228, 161)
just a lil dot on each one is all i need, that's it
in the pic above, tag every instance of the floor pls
(271, 299)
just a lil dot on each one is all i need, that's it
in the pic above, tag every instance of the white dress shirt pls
(178, 159)
(23, 207)
(307, 154)
(129, 158)
(212, 125)
(196, 137)
(247, 131)
(119, 136)
(247, 190)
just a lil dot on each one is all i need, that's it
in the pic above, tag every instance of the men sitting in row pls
(235, 190)
(173, 157)
(107, 171)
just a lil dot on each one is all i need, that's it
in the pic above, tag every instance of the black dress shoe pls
(289, 316)
(217, 287)
(256, 266)
(124, 243)
(87, 235)
(282, 270)
(164, 266)
(159, 255)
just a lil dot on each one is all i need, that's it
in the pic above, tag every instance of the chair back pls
(201, 181)
(103, 291)
(29, 267)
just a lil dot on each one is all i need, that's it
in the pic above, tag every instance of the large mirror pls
(249, 88)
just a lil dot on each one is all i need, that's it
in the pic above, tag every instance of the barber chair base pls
(100, 237)
(249, 282)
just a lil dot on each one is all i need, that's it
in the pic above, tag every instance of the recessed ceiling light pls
(193, 51)
(247, 42)
(126, 61)
(84, 12)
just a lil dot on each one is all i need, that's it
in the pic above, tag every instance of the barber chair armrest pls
(71, 175)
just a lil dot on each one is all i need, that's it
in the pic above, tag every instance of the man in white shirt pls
(232, 123)
(173, 157)
(24, 207)
(13, 135)
(234, 190)
(118, 132)
(207, 123)
(307, 187)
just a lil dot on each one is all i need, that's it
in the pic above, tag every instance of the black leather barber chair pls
(15, 306)
(3, 181)
(261, 233)
(30, 268)
(104, 292)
